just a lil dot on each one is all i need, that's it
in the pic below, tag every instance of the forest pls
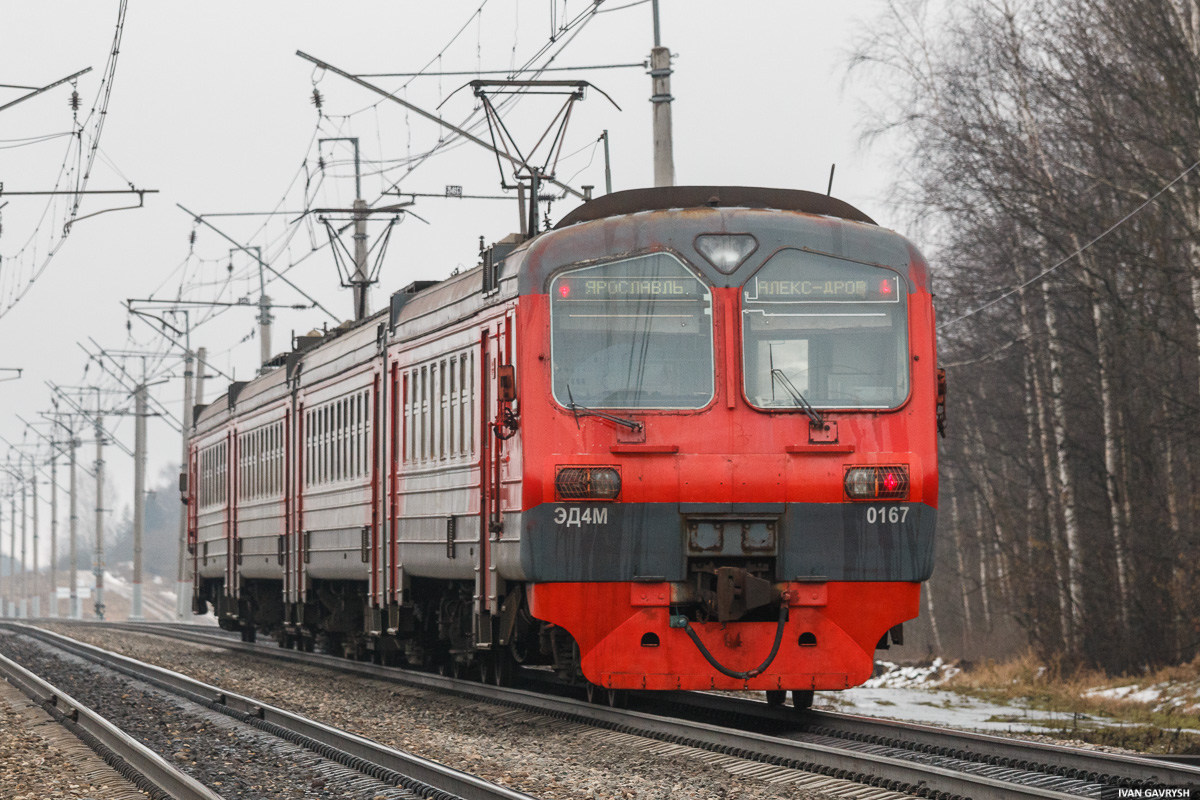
(1048, 153)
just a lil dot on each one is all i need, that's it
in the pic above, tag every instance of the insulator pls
(230, 267)
(75, 103)
(317, 99)
(192, 237)
(321, 163)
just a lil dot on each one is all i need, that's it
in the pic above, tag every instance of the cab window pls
(633, 333)
(825, 330)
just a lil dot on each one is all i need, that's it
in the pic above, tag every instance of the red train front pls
(685, 440)
(734, 483)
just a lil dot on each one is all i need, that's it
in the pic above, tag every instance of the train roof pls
(661, 198)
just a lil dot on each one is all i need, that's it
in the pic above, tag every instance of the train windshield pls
(829, 331)
(635, 333)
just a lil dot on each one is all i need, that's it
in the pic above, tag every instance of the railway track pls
(414, 776)
(137, 763)
(914, 759)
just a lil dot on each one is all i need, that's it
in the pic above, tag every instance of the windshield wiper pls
(817, 421)
(584, 411)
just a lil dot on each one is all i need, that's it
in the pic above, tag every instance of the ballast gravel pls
(234, 760)
(40, 760)
(543, 757)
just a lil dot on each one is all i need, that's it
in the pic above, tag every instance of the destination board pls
(632, 288)
(873, 290)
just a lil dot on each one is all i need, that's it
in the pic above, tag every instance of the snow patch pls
(1131, 693)
(894, 676)
(1171, 696)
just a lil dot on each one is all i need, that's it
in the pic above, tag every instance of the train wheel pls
(802, 699)
(249, 635)
(776, 697)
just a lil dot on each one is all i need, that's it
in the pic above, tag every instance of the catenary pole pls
(264, 313)
(201, 357)
(607, 165)
(361, 211)
(23, 597)
(52, 610)
(12, 558)
(660, 78)
(183, 579)
(362, 288)
(4, 598)
(74, 610)
(35, 572)
(139, 495)
(98, 556)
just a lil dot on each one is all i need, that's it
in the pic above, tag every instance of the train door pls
(495, 395)
(401, 394)
(232, 478)
(487, 486)
(285, 535)
(292, 547)
(193, 522)
(378, 580)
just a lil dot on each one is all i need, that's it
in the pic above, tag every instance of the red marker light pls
(885, 286)
(564, 291)
(890, 482)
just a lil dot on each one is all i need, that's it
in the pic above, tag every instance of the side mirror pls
(507, 376)
(183, 483)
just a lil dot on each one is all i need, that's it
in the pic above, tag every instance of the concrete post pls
(12, 559)
(201, 356)
(264, 315)
(98, 556)
(139, 497)
(664, 153)
(23, 601)
(35, 573)
(607, 166)
(660, 78)
(74, 610)
(10, 592)
(362, 301)
(52, 611)
(183, 578)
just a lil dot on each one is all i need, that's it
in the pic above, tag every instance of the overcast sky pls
(211, 106)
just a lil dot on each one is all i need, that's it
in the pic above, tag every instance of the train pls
(685, 439)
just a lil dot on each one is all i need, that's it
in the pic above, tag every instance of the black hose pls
(783, 618)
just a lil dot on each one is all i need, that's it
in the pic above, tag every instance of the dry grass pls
(1158, 725)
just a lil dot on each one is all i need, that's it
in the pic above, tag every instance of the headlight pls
(726, 251)
(587, 483)
(877, 483)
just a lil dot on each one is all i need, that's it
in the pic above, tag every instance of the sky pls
(211, 107)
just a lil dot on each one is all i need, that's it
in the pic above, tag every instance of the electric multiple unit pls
(684, 440)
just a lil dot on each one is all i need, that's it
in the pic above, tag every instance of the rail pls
(423, 776)
(916, 758)
(137, 763)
